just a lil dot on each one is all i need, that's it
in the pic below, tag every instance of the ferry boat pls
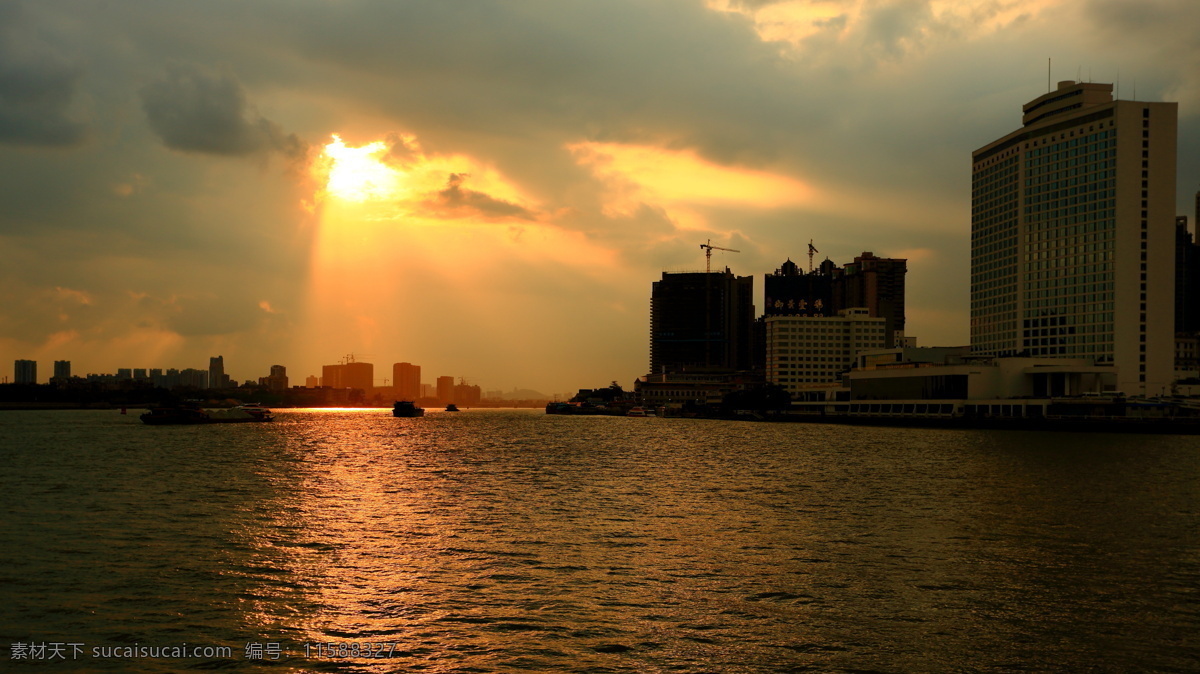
(639, 412)
(451, 407)
(407, 408)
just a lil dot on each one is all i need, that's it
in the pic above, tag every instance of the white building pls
(803, 351)
(981, 378)
(1072, 235)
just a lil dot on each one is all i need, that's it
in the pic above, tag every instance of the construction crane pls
(811, 249)
(708, 249)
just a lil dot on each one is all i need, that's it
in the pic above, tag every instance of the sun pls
(357, 174)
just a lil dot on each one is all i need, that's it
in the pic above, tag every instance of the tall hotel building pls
(1072, 235)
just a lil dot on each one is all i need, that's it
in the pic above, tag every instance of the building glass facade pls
(1072, 237)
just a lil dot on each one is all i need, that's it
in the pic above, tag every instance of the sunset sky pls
(488, 189)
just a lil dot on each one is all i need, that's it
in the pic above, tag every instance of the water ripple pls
(501, 541)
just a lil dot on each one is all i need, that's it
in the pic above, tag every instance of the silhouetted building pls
(351, 374)
(406, 377)
(25, 372)
(311, 381)
(467, 395)
(277, 381)
(678, 390)
(62, 370)
(870, 282)
(445, 389)
(701, 321)
(193, 378)
(876, 283)
(792, 292)
(1071, 235)
(1187, 279)
(216, 372)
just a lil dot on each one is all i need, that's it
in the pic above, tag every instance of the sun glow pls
(404, 233)
(357, 174)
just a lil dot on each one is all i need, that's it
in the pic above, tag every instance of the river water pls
(500, 541)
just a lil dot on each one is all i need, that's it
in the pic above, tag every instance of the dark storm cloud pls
(38, 88)
(459, 201)
(550, 71)
(194, 110)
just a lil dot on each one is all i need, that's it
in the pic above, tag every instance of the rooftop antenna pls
(1048, 89)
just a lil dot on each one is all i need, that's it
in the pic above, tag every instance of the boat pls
(191, 414)
(173, 415)
(241, 414)
(584, 409)
(407, 408)
(451, 407)
(639, 412)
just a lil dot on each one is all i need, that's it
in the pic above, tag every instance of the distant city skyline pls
(348, 374)
(487, 189)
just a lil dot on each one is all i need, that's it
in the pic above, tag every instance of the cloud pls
(645, 174)
(39, 88)
(458, 201)
(194, 110)
(899, 27)
(1161, 32)
(205, 314)
(403, 149)
(78, 296)
(761, 124)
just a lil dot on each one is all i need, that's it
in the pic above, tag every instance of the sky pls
(488, 189)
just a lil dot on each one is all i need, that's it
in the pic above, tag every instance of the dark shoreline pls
(1164, 426)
